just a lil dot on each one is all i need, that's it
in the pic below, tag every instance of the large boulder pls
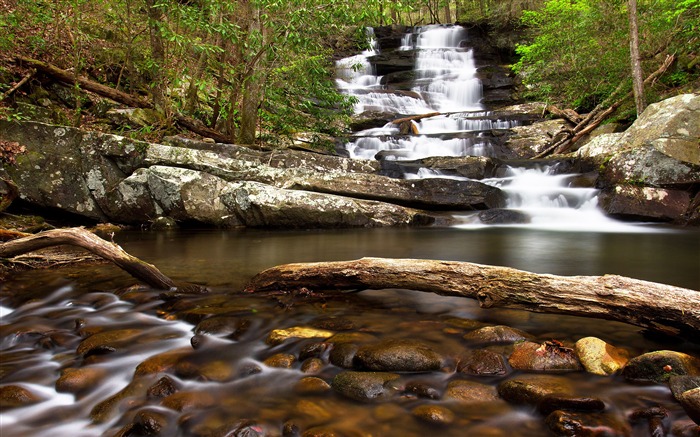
(652, 170)
(109, 177)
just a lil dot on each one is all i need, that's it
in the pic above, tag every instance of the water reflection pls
(229, 258)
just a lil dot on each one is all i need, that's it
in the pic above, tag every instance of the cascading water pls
(445, 82)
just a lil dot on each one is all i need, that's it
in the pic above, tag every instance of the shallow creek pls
(87, 333)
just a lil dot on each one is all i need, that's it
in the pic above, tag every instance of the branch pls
(19, 85)
(655, 306)
(110, 251)
(121, 97)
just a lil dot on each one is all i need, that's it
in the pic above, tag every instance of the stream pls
(91, 354)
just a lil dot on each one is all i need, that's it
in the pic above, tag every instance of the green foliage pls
(578, 53)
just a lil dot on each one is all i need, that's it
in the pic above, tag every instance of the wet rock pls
(80, 380)
(398, 356)
(314, 412)
(149, 421)
(434, 414)
(313, 350)
(470, 392)
(312, 365)
(685, 428)
(241, 428)
(343, 355)
(311, 385)
(682, 383)
(283, 361)
(482, 362)
(530, 140)
(531, 389)
(468, 324)
(351, 337)
(644, 203)
(599, 357)
(545, 357)
(334, 324)
(365, 386)
(566, 423)
(162, 363)
(496, 335)
(553, 402)
(162, 223)
(655, 418)
(108, 408)
(422, 390)
(114, 340)
(249, 369)
(278, 336)
(503, 217)
(215, 370)
(223, 326)
(660, 366)
(188, 400)
(163, 388)
(15, 396)
(690, 400)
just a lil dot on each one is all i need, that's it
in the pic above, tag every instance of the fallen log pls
(119, 96)
(80, 237)
(669, 309)
(19, 85)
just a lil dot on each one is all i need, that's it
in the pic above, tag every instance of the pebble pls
(545, 357)
(531, 389)
(434, 414)
(482, 362)
(311, 385)
(398, 356)
(278, 336)
(496, 335)
(365, 386)
(470, 392)
(14, 396)
(81, 379)
(282, 361)
(567, 423)
(599, 357)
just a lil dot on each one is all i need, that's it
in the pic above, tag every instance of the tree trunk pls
(637, 75)
(110, 251)
(659, 307)
(155, 21)
(249, 111)
(448, 15)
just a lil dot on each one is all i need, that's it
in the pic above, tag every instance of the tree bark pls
(19, 85)
(660, 307)
(80, 237)
(636, 64)
(155, 21)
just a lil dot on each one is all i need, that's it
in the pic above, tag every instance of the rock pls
(314, 350)
(566, 423)
(278, 336)
(600, 358)
(8, 193)
(281, 360)
(79, 380)
(134, 118)
(312, 365)
(690, 401)
(422, 390)
(108, 408)
(223, 326)
(311, 385)
(472, 167)
(531, 389)
(545, 357)
(682, 383)
(482, 362)
(496, 335)
(114, 339)
(398, 356)
(151, 421)
(528, 141)
(660, 366)
(433, 414)
(164, 387)
(343, 355)
(188, 400)
(503, 217)
(470, 392)
(15, 396)
(644, 203)
(365, 386)
(162, 363)
(553, 402)
(685, 428)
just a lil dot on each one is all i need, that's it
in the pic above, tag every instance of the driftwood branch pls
(80, 237)
(660, 307)
(598, 115)
(121, 97)
(19, 85)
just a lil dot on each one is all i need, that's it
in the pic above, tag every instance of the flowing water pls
(180, 365)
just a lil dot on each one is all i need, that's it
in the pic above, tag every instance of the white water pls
(445, 81)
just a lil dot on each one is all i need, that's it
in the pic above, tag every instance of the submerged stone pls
(365, 386)
(599, 357)
(545, 357)
(278, 336)
(482, 362)
(531, 389)
(434, 414)
(690, 401)
(15, 396)
(660, 366)
(398, 356)
(567, 423)
(496, 335)
(470, 392)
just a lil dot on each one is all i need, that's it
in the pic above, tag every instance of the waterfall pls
(444, 80)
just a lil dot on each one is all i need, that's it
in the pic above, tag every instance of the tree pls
(635, 60)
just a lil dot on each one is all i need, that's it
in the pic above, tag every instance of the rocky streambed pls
(94, 356)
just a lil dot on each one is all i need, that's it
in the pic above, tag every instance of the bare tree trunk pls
(637, 75)
(87, 240)
(448, 14)
(660, 307)
(155, 21)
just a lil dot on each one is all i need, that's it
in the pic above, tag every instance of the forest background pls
(263, 70)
